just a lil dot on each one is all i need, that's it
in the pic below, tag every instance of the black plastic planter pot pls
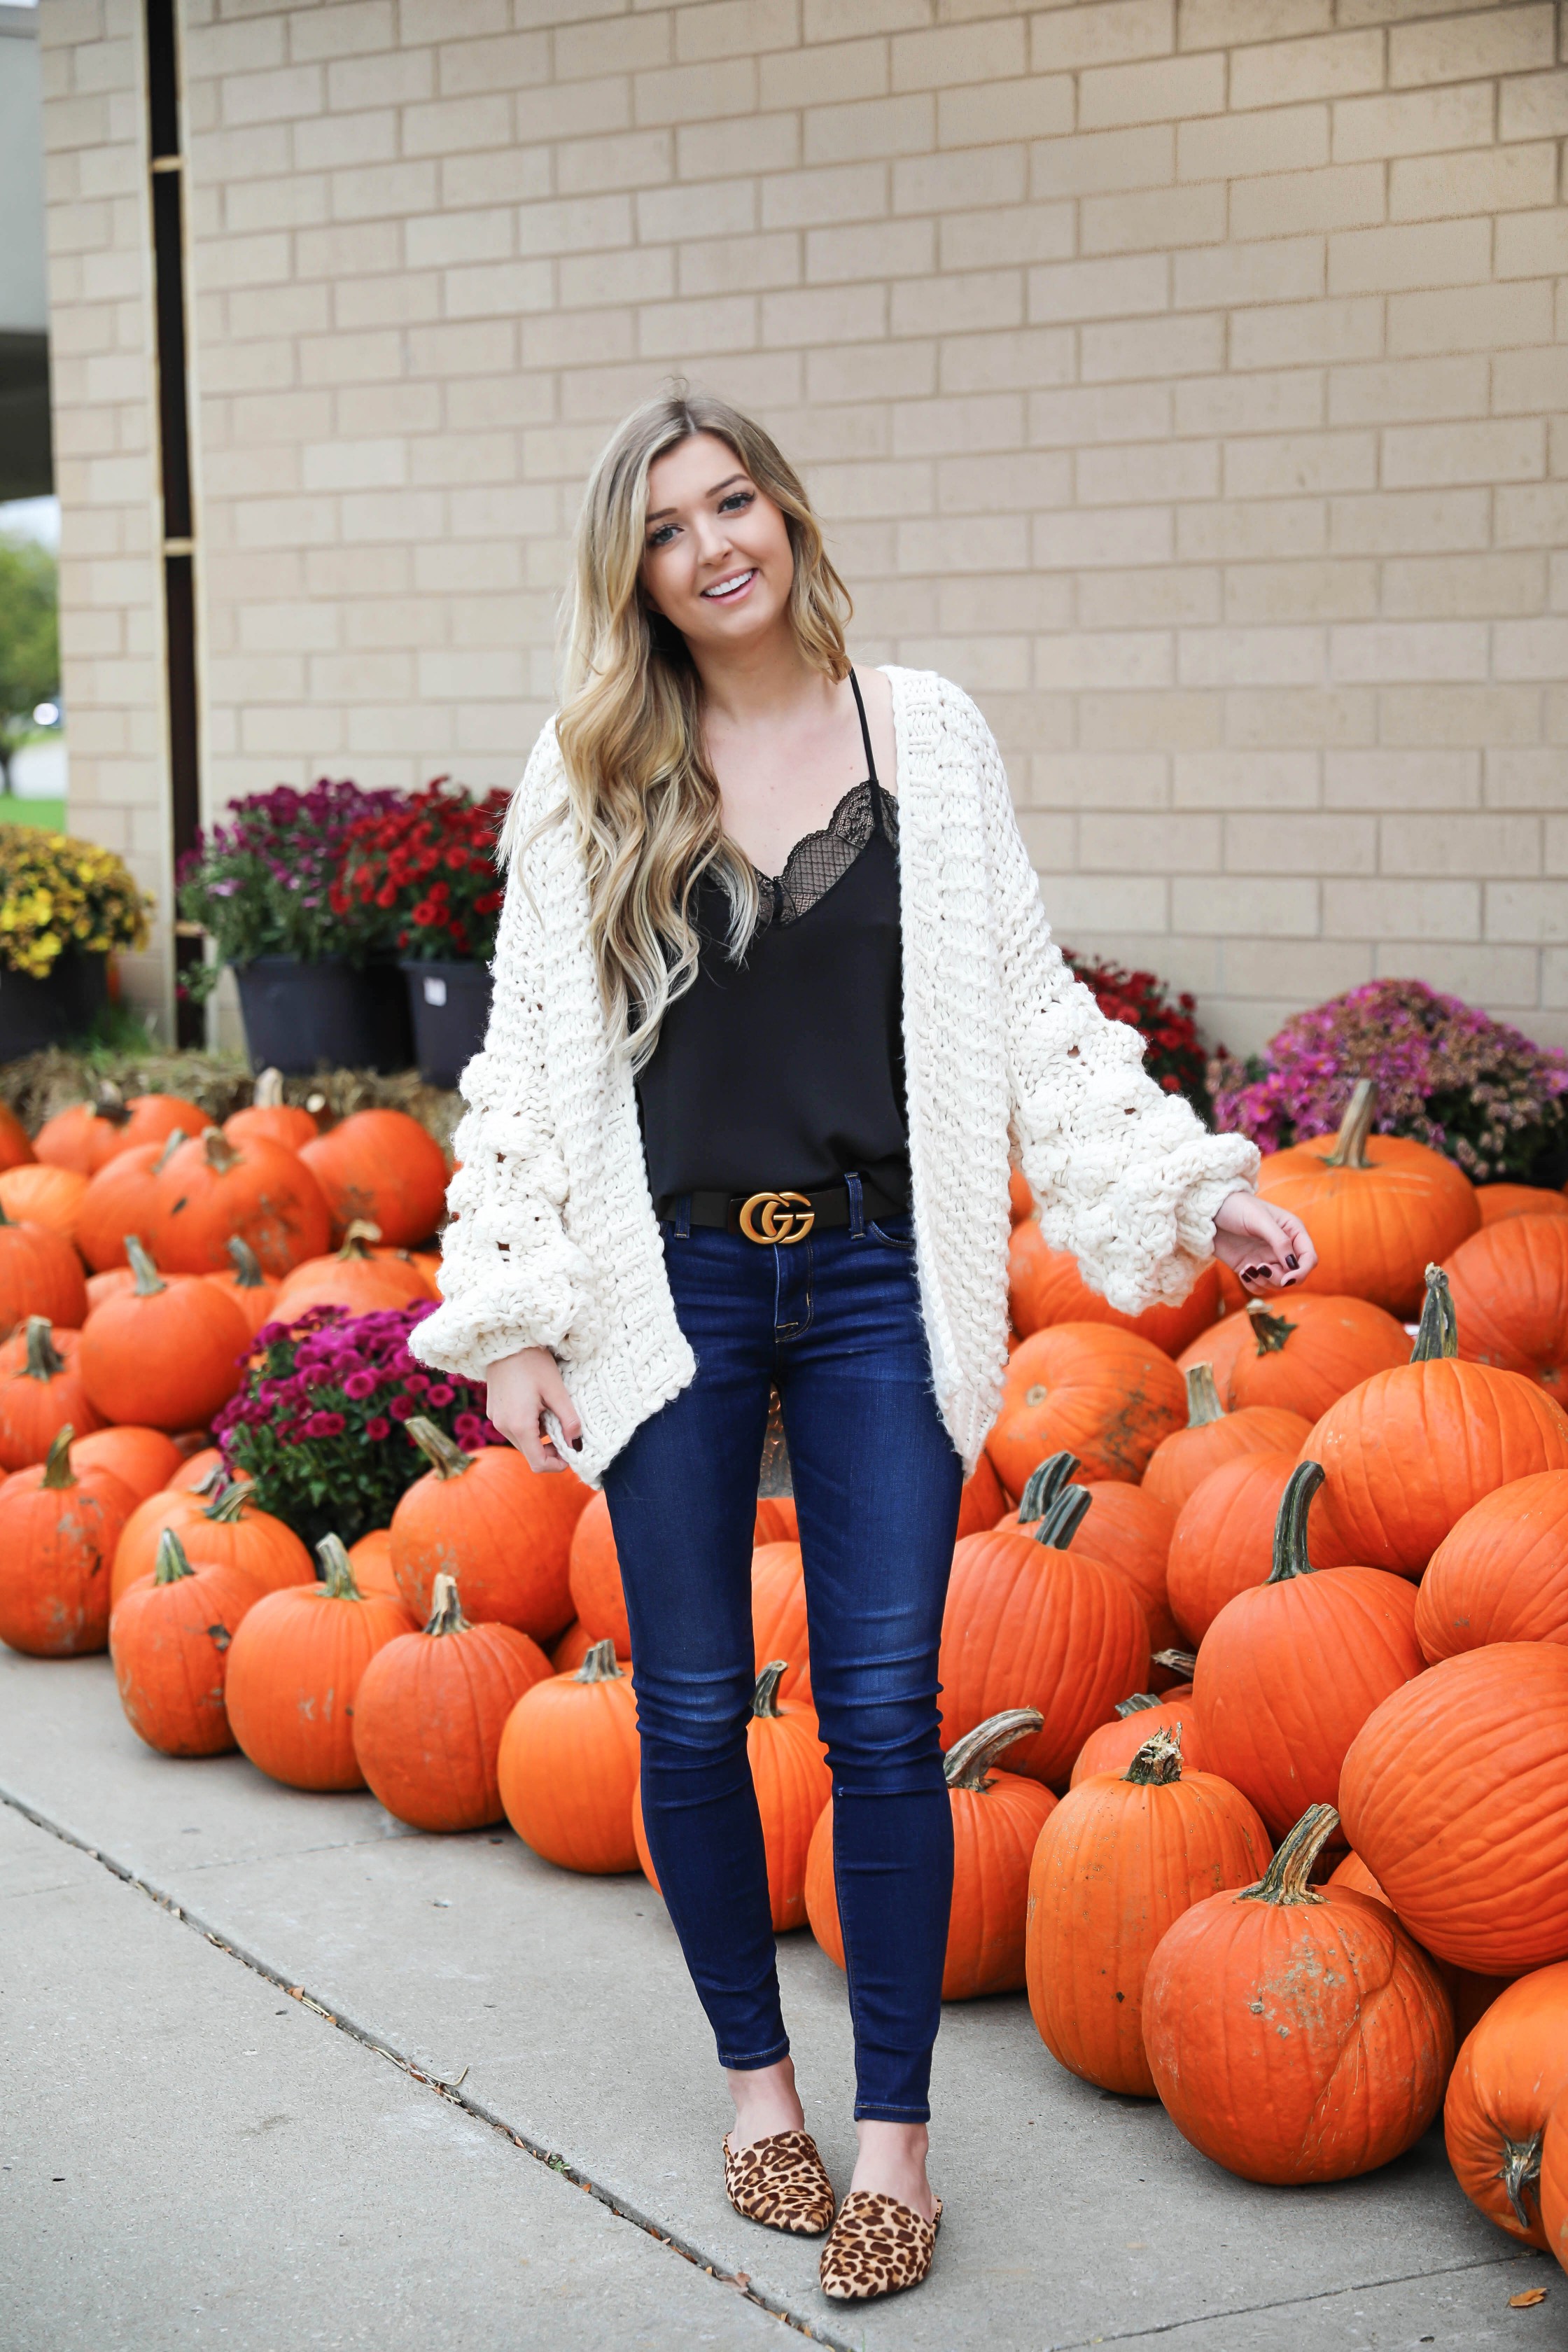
(299, 1015)
(38, 1012)
(450, 1004)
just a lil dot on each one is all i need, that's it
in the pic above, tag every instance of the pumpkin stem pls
(173, 1561)
(1290, 1523)
(1159, 1761)
(1137, 1703)
(149, 1281)
(1176, 1662)
(1203, 1397)
(337, 1569)
(172, 1143)
(57, 1471)
(246, 1264)
(110, 1104)
(267, 1092)
(765, 1697)
(1044, 1484)
(443, 1454)
(1284, 1880)
(969, 1759)
(1269, 1331)
(599, 1665)
(221, 1155)
(1519, 2170)
(361, 1233)
(44, 1358)
(445, 1609)
(1438, 1334)
(229, 1496)
(1350, 1144)
(1064, 1518)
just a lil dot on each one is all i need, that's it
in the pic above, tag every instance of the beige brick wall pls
(1185, 377)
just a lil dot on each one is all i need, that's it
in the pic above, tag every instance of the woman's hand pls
(1266, 1247)
(521, 1390)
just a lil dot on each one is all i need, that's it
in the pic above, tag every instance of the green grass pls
(49, 814)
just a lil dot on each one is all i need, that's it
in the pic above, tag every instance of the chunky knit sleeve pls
(511, 1276)
(1124, 1175)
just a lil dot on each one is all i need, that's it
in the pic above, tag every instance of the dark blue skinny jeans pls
(835, 1322)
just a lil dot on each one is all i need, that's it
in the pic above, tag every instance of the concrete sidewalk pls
(196, 2156)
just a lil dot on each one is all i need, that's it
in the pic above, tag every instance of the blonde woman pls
(775, 1005)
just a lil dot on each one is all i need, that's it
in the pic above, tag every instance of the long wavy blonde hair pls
(641, 797)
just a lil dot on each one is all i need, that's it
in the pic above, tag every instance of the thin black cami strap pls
(870, 758)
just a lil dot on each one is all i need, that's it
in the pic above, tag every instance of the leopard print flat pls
(781, 2182)
(877, 2247)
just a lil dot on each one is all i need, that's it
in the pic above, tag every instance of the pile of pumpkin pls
(1227, 1577)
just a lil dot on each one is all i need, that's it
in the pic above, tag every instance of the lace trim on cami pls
(822, 858)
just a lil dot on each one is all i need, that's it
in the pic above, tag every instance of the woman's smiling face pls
(717, 560)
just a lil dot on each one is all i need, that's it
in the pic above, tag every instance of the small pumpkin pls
(429, 1714)
(1121, 1858)
(146, 1459)
(793, 1784)
(88, 1136)
(593, 1574)
(223, 1524)
(568, 1767)
(381, 1168)
(126, 1196)
(354, 1276)
(168, 1353)
(169, 1637)
(251, 1291)
(1112, 1747)
(997, 1819)
(41, 1195)
(40, 1390)
(1510, 2072)
(1500, 1573)
(1453, 1794)
(1087, 1388)
(779, 1626)
(1296, 2034)
(1030, 1622)
(370, 1559)
(1302, 1352)
(1045, 1287)
(267, 1117)
(503, 1530)
(295, 1666)
(40, 1274)
(1290, 1672)
(1181, 1462)
(58, 1531)
(1510, 1286)
(1408, 1452)
(1379, 1207)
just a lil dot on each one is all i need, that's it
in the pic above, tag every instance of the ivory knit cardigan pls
(553, 1240)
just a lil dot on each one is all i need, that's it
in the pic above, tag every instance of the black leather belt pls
(789, 1216)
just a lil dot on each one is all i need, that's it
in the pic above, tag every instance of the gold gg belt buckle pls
(778, 1222)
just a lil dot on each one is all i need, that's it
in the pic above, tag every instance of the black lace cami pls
(786, 1069)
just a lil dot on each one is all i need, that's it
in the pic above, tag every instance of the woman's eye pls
(662, 535)
(736, 499)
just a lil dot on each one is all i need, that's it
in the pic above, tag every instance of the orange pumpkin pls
(1045, 1287)
(1553, 2183)
(222, 1525)
(1408, 1452)
(1510, 1286)
(431, 1711)
(793, 1784)
(370, 1559)
(90, 1135)
(165, 1353)
(1497, 1201)
(779, 1627)
(40, 1390)
(204, 1472)
(593, 1574)
(1379, 1208)
(1030, 1623)
(1087, 1388)
(59, 1530)
(126, 1196)
(1128, 1529)
(1302, 1352)
(568, 1767)
(382, 1168)
(997, 1819)
(169, 1637)
(244, 1283)
(981, 1499)
(212, 1189)
(503, 1530)
(351, 1278)
(1121, 1858)
(40, 1274)
(568, 1654)
(1501, 1574)
(776, 1521)
(1296, 2034)
(1224, 1539)
(1290, 1672)
(269, 1116)
(1181, 1462)
(1020, 1200)
(1112, 1747)
(1453, 1794)
(101, 1287)
(16, 1144)
(1509, 2075)
(294, 1671)
(42, 1195)
(144, 1459)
